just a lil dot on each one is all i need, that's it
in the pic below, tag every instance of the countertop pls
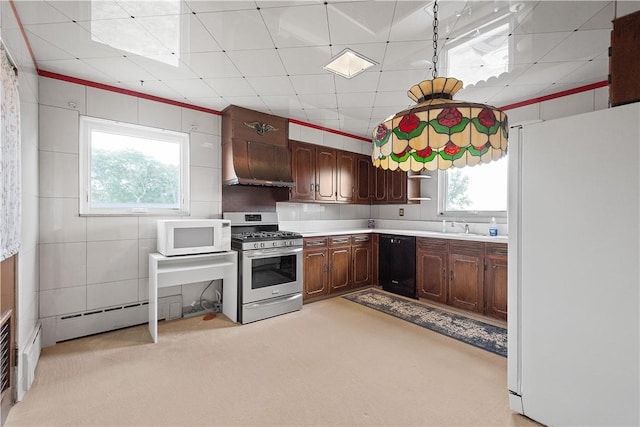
(416, 233)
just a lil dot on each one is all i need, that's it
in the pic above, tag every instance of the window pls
(479, 190)
(131, 169)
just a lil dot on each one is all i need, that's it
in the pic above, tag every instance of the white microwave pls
(193, 236)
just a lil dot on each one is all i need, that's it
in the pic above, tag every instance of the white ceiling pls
(268, 55)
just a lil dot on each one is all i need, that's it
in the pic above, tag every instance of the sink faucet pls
(465, 227)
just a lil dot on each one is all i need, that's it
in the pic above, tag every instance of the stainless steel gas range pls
(269, 265)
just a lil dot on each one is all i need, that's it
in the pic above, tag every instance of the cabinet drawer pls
(497, 249)
(315, 242)
(339, 240)
(432, 245)
(462, 247)
(359, 239)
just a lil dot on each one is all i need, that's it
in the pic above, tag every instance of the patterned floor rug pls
(479, 334)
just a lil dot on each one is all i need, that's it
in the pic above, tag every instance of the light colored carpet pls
(333, 363)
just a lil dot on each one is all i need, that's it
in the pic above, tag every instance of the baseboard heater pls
(108, 319)
(31, 355)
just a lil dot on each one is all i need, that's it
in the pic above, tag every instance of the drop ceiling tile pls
(75, 68)
(350, 23)
(357, 100)
(359, 112)
(237, 30)
(251, 102)
(392, 101)
(305, 60)
(279, 104)
(414, 20)
(257, 63)
(168, 30)
(196, 38)
(215, 103)
(192, 88)
(580, 46)
(234, 86)
(211, 65)
(626, 7)
(71, 38)
(401, 80)
(554, 16)
(529, 48)
(90, 10)
(310, 101)
(119, 69)
(548, 72)
(517, 93)
(408, 55)
(201, 6)
(152, 87)
(272, 85)
(314, 84)
(158, 66)
(44, 51)
(297, 26)
(282, 3)
(364, 82)
(602, 19)
(590, 72)
(478, 94)
(153, 8)
(32, 12)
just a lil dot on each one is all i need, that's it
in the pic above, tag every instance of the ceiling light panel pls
(349, 64)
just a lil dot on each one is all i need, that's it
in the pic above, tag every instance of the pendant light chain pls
(435, 39)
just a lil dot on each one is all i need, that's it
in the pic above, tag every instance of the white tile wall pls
(58, 129)
(112, 228)
(112, 260)
(61, 301)
(159, 115)
(59, 94)
(198, 121)
(60, 222)
(145, 247)
(205, 151)
(205, 184)
(112, 293)
(111, 105)
(58, 174)
(63, 265)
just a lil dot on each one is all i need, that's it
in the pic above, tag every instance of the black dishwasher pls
(397, 264)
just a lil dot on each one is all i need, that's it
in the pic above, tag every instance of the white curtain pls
(10, 176)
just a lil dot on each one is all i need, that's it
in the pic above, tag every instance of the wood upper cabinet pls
(466, 274)
(495, 281)
(432, 268)
(364, 179)
(389, 186)
(325, 174)
(303, 170)
(624, 61)
(315, 267)
(361, 260)
(339, 263)
(346, 176)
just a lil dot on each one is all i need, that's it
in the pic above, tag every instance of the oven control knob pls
(255, 245)
(274, 244)
(262, 245)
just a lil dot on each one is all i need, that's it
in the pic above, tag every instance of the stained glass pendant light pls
(438, 132)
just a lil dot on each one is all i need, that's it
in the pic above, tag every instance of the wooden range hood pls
(255, 148)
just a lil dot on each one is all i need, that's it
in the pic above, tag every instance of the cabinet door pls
(364, 179)
(325, 174)
(466, 268)
(339, 266)
(315, 273)
(303, 160)
(379, 186)
(345, 169)
(397, 186)
(362, 260)
(495, 281)
(431, 269)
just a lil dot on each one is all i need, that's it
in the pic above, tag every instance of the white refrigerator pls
(574, 232)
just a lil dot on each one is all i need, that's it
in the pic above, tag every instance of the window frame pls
(89, 124)
(501, 216)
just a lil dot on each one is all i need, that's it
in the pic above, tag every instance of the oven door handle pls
(274, 301)
(270, 252)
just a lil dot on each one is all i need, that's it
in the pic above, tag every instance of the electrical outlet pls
(401, 212)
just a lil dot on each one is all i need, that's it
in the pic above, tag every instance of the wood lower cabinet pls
(361, 260)
(334, 264)
(466, 274)
(432, 268)
(339, 263)
(315, 267)
(495, 281)
(463, 274)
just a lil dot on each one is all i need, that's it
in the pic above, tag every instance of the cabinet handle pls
(315, 244)
(451, 275)
(330, 266)
(444, 273)
(311, 189)
(325, 268)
